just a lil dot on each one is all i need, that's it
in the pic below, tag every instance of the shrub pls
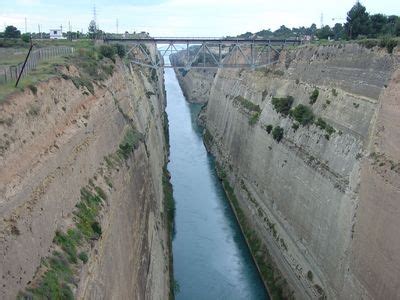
(84, 82)
(302, 114)
(254, 118)
(83, 257)
(277, 133)
(169, 201)
(154, 75)
(85, 216)
(321, 123)
(334, 92)
(310, 275)
(282, 105)
(26, 37)
(108, 69)
(388, 43)
(33, 89)
(54, 283)
(247, 104)
(269, 128)
(295, 126)
(68, 244)
(108, 51)
(100, 193)
(314, 96)
(120, 50)
(368, 43)
(130, 142)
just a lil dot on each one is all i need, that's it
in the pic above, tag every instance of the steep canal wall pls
(309, 149)
(82, 202)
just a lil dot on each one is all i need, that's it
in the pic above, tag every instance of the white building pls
(56, 34)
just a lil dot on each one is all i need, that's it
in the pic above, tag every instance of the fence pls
(10, 73)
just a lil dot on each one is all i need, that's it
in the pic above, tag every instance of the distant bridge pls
(205, 52)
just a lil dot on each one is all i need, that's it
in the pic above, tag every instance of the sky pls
(202, 18)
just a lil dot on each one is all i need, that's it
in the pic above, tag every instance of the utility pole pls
(39, 34)
(26, 26)
(117, 25)
(322, 20)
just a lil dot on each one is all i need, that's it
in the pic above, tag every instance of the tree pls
(26, 37)
(92, 30)
(391, 25)
(338, 31)
(378, 24)
(397, 27)
(283, 32)
(325, 32)
(311, 30)
(358, 21)
(12, 32)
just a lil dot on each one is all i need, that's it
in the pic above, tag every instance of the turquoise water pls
(211, 258)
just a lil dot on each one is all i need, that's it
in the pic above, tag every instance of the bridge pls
(204, 52)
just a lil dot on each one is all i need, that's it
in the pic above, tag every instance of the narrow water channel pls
(211, 258)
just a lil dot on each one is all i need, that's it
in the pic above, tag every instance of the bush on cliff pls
(277, 133)
(247, 104)
(130, 142)
(108, 51)
(282, 105)
(302, 114)
(314, 96)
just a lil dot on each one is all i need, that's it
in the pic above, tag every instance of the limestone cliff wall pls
(58, 139)
(196, 84)
(325, 205)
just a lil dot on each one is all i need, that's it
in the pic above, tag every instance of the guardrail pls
(11, 73)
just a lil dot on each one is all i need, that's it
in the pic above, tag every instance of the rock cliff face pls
(81, 173)
(196, 85)
(323, 198)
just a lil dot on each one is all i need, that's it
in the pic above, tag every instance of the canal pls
(211, 258)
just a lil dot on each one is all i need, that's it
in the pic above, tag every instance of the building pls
(56, 34)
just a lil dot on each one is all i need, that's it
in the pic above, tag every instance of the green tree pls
(283, 32)
(311, 30)
(325, 32)
(358, 21)
(397, 28)
(92, 30)
(338, 31)
(12, 32)
(26, 37)
(378, 24)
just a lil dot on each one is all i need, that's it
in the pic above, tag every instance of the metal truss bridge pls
(204, 53)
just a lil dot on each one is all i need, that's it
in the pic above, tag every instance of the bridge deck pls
(203, 52)
(188, 40)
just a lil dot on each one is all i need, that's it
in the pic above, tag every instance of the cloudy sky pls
(181, 17)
